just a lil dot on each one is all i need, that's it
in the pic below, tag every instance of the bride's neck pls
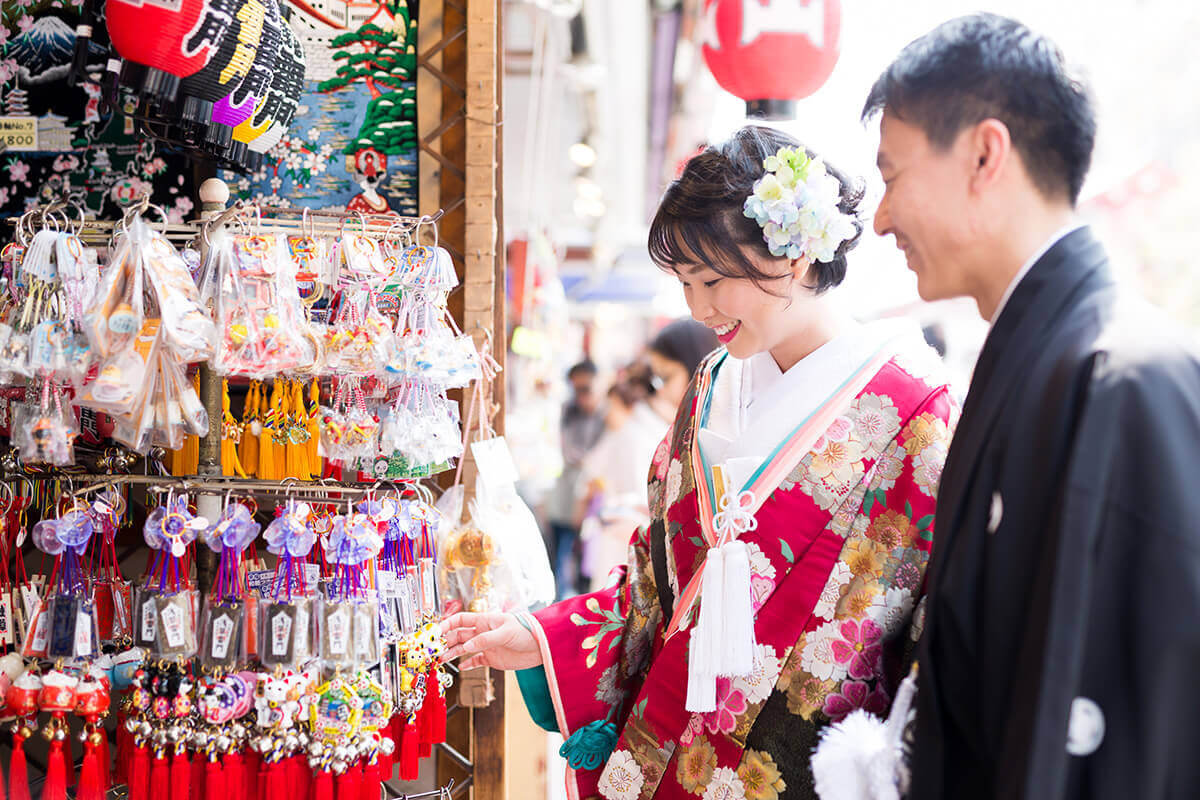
(821, 323)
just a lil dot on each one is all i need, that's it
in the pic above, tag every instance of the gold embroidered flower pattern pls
(836, 460)
(695, 765)
(865, 557)
(761, 776)
(891, 529)
(806, 694)
(923, 431)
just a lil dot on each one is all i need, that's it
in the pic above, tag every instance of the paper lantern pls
(283, 98)
(201, 89)
(158, 37)
(256, 88)
(771, 53)
(253, 34)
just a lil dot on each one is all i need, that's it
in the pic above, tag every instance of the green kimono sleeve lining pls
(535, 691)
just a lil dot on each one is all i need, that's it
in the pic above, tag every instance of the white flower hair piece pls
(796, 205)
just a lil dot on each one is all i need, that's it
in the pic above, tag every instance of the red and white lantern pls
(771, 53)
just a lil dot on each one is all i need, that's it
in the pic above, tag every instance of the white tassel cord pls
(706, 643)
(736, 655)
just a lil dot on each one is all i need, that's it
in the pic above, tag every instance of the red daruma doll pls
(168, 37)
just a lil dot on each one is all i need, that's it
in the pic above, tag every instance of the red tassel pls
(90, 782)
(69, 762)
(275, 783)
(105, 758)
(55, 787)
(410, 748)
(3, 793)
(251, 772)
(300, 778)
(216, 780)
(18, 773)
(438, 716)
(199, 764)
(235, 777)
(139, 773)
(121, 774)
(323, 785)
(372, 778)
(160, 777)
(181, 776)
(348, 782)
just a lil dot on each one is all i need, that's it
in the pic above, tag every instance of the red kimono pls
(837, 568)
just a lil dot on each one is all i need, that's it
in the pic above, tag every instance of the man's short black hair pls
(583, 368)
(985, 66)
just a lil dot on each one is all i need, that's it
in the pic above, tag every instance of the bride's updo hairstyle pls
(701, 219)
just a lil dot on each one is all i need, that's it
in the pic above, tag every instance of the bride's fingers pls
(474, 661)
(459, 635)
(468, 619)
(486, 641)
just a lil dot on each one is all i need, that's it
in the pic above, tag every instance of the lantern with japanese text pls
(218, 29)
(771, 53)
(283, 97)
(158, 35)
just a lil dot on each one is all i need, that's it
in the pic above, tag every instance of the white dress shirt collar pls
(1033, 259)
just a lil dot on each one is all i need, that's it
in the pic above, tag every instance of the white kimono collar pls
(755, 406)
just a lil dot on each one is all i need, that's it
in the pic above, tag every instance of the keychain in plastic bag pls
(45, 433)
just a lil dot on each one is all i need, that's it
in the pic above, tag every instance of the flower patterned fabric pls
(837, 569)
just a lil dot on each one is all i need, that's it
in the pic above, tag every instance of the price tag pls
(337, 630)
(281, 634)
(19, 133)
(149, 620)
(494, 461)
(39, 634)
(222, 636)
(172, 624)
(6, 621)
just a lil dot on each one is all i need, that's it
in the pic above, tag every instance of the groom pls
(1062, 638)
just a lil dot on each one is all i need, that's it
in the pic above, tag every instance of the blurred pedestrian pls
(581, 425)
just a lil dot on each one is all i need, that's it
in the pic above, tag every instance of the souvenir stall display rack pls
(208, 484)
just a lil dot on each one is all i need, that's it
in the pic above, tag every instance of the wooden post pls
(214, 194)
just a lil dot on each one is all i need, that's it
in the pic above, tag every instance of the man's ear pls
(990, 150)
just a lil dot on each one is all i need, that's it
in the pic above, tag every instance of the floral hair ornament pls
(796, 205)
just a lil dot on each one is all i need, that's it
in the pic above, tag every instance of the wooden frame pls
(459, 69)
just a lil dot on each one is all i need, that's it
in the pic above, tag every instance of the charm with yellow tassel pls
(251, 429)
(231, 432)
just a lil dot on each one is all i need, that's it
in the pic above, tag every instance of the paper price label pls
(149, 620)
(39, 634)
(29, 600)
(222, 635)
(6, 625)
(83, 632)
(339, 631)
(281, 634)
(302, 642)
(19, 133)
(494, 461)
(172, 623)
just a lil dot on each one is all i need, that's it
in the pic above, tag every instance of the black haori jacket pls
(1062, 640)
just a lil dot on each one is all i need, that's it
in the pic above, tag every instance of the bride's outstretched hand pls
(490, 640)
